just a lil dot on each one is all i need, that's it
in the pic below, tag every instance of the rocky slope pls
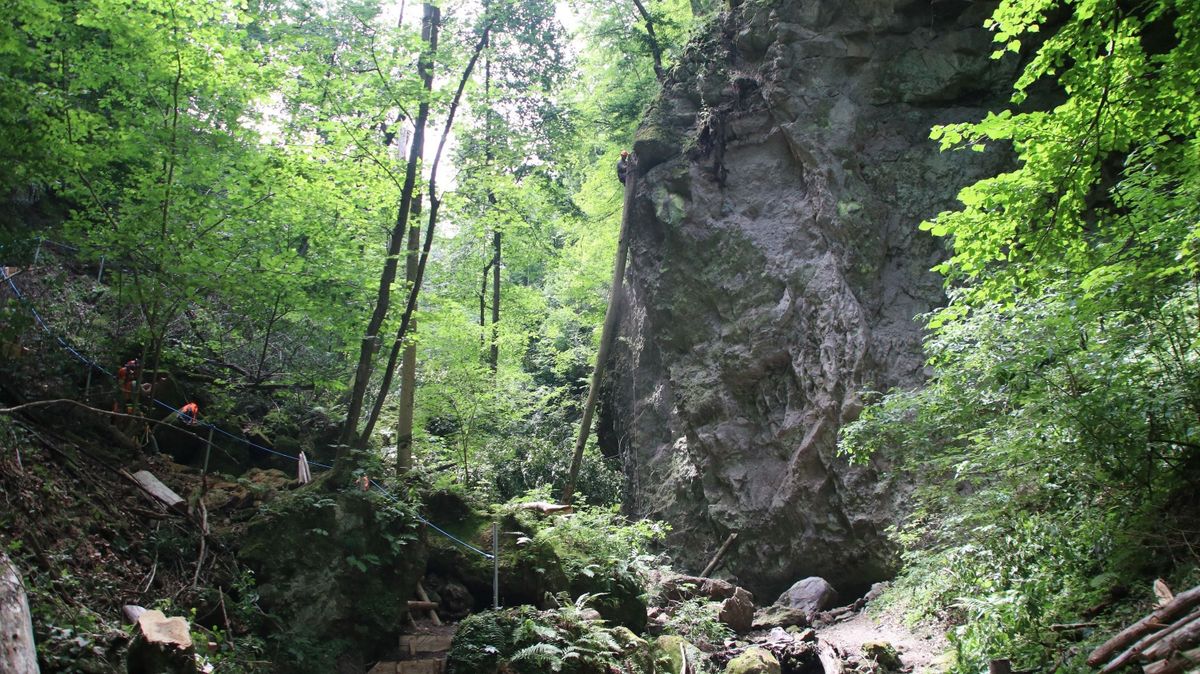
(775, 270)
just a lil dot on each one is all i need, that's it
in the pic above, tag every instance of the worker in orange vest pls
(189, 413)
(127, 376)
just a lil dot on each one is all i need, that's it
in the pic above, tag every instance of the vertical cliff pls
(776, 268)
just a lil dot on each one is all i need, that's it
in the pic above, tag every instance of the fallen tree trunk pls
(1146, 642)
(17, 653)
(1182, 636)
(1157, 620)
(1177, 664)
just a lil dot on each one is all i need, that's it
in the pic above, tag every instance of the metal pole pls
(100, 274)
(207, 453)
(495, 565)
(37, 253)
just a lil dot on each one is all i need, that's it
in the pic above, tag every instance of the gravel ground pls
(921, 648)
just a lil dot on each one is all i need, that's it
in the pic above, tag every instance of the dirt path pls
(921, 648)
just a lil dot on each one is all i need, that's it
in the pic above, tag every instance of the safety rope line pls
(84, 359)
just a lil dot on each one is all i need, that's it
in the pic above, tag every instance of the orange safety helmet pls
(624, 154)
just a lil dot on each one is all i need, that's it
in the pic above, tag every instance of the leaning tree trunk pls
(607, 336)
(17, 654)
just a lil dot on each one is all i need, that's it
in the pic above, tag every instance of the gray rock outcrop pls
(775, 270)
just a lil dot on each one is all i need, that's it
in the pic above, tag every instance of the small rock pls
(780, 616)
(883, 653)
(454, 600)
(877, 589)
(780, 634)
(738, 611)
(627, 640)
(131, 613)
(810, 595)
(754, 661)
(806, 634)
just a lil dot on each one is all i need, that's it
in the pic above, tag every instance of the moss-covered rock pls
(535, 565)
(884, 654)
(619, 599)
(754, 660)
(342, 564)
(669, 650)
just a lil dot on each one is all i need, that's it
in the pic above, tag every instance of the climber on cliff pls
(623, 166)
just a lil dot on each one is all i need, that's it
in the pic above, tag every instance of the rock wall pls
(775, 270)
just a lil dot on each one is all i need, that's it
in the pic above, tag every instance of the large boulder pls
(775, 269)
(810, 595)
(738, 611)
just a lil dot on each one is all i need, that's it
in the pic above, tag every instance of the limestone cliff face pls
(775, 270)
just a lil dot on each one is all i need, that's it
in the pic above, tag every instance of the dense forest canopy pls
(248, 170)
(402, 218)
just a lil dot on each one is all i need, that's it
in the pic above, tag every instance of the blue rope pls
(243, 440)
(435, 527)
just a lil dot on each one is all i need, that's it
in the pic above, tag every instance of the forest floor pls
(922, 648)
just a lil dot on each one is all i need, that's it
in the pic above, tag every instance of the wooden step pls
(427, 666)
(412, 644)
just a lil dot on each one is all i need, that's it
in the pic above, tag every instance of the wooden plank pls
(158, 491)
(420, 667)
(425, 597)
(425, 643)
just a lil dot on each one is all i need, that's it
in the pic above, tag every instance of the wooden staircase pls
(422, 653)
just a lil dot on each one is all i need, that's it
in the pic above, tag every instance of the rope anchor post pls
(496, 565)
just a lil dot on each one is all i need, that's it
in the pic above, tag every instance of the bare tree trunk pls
(483, 289)
(408, 367)
(370, 339)
(607, 336)
(398, 346)
(414, 292)
(17, 652)
(494, 352)
(652, 40)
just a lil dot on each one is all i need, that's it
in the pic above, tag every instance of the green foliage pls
(528, 641)
(1059, 427)
(696, 620)
(599, 542)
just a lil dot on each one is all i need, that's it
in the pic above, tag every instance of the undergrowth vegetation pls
(1057, 442)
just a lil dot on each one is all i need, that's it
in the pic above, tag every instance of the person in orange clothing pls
(127, 376)
(189, 413)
